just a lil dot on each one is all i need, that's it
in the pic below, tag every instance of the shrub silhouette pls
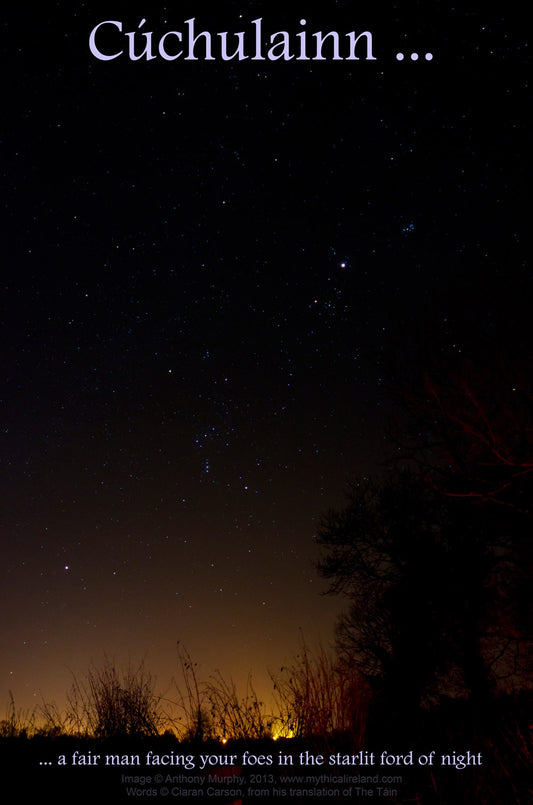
(108, 702)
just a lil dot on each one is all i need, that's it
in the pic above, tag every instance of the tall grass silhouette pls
(316, 700)
(17, 722)
(316, 696)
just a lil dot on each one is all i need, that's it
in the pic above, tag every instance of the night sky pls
(212, 276)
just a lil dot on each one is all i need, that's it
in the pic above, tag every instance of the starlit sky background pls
(208, 271)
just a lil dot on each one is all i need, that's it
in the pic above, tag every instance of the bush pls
(109, 703)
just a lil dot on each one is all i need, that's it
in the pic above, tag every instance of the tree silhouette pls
(435, 561)
(472, 439)
(383, 551)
